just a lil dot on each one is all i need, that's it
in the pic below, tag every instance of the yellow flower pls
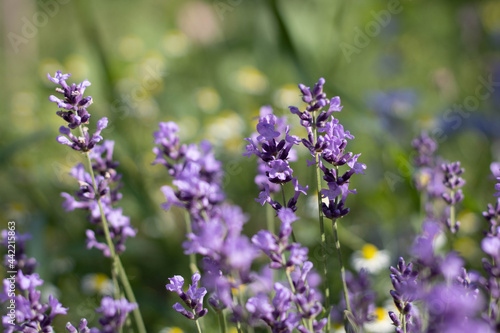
(382, 322)
(251, 80)
(97, 283)
(171, 330)
(370, 258)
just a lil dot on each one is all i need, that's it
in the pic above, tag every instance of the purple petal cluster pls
(275, 246)
(25, 310)
(272, 144)
(216, 226)
(276, 313)
(19, 259)
(108, 186)
(425, 147)
(329, 148)
(303, 301)
(429, 178)
(197, 174)
(406, 290)
(446, 294)
(107, 179)
(491, 246)
(113, 315)
(193, 297)
(361, 297)
(75, 114)
(453, 182)
(82, 327)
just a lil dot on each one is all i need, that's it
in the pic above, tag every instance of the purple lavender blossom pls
(107, 179)
(275, 314)
(274, 246)
(114, 312)
(108, 185)
(73, 100)
(361, 297)
(406, 290)
(76, 114)
(274, 156)
(31, 315)
(453, 182)
(491, 246)
(193, 297)
(329, 148)
(495, 170)
(197, 174)
(425, 147)
(20, 260)
(113, 315)
(216, 226)
(82, 327)
(305, 301)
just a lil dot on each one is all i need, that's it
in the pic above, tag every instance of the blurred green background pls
(399, 66)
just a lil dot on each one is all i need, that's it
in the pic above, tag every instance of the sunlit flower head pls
(371, 258)
(97, 284)
(381, 323)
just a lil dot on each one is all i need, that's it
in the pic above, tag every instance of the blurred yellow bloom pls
(97, 284)
(467, 248)
(370, 258)
(382, 322)
(77, 66)
(131, 47)
(175, 43)
(226, 130)
(251, 80)
(288, 95)
(188, 127)
(491, 16)
(23, 103)
(171, 330)
(208, 99)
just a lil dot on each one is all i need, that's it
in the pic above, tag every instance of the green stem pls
(222, 321)
(192, 256)
(270, 218)
(292, 287)
(284, 206)
(342, 268)
(117, 266)
(403, 322)
(198, 326)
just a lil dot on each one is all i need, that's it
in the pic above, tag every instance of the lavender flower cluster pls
(329, 148)
(101, 189)
(26, 310)
(431, 292)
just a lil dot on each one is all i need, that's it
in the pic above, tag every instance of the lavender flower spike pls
(453, 182)
(76, 114)
(193, 297)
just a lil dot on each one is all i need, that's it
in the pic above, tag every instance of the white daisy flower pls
(382, 322)
(371, 258)
(97, 284)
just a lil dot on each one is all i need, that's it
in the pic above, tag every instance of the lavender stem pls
(342, 268)
(117, 266)
(192, 256)
(320, 216)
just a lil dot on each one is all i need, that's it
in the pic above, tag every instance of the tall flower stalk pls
(326, 141)
(99, 185)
